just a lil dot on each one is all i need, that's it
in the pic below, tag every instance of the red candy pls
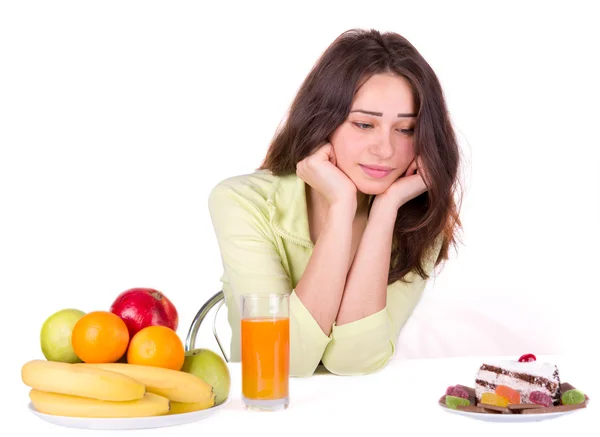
(527, 358)
(457, 391)
(537, 397)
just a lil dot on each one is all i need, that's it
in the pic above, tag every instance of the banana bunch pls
(186, 392)
(113, 390)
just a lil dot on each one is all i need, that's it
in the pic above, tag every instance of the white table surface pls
(401, 399)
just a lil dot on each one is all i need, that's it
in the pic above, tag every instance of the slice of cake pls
(535, 382)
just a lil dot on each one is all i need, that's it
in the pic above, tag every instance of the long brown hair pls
(323, 103)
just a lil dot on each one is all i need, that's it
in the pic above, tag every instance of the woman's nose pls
(383, 147)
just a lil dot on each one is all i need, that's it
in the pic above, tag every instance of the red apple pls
(142, 307)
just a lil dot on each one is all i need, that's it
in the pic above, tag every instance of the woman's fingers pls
(319, 170)
(412, 168)
(326, 151)
(332, 156)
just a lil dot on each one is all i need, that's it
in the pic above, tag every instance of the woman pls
(352, 208)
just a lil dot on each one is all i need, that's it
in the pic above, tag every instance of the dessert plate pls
(498, 417)
(127, 423)
(543, 414)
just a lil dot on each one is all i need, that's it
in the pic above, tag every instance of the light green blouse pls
(261, 225)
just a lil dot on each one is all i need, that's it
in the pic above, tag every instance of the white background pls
(117, 119)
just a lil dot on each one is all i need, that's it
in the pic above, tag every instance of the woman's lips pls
(376, 171)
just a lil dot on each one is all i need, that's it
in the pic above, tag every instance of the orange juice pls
(265, 346)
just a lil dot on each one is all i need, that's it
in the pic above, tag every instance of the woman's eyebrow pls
(379, 114)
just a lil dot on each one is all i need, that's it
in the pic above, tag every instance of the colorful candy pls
(572, 397)
(454, 401)
(537, 397)
(513, 396)
(494, 399)
(458, 391)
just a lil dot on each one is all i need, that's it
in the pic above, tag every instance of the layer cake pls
(525, 375)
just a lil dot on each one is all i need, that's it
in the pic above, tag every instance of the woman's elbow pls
(302, 369)
(358, 365)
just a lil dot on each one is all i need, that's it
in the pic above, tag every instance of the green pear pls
(210, 367)
(55, 336)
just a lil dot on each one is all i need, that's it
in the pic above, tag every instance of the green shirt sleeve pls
(251, 257)
(366, 345)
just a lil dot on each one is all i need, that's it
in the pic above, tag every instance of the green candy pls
(572, 397)
(455, 401)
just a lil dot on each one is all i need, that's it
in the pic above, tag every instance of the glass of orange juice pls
(265, 350)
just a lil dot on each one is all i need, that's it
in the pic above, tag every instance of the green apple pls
(210, 367)
(55, 336)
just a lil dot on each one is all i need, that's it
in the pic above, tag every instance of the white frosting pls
(536, 368)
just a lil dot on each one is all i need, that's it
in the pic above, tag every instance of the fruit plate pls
(127, 423)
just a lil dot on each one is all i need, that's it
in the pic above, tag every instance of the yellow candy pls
(494, 399)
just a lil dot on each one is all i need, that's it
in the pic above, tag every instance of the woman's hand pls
(405, 188)
(320, 172)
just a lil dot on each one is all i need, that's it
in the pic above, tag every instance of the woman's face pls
(374, 146)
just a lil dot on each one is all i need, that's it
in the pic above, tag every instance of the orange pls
(100, 337)
(156, 346)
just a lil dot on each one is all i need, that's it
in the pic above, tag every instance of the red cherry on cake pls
(527, 358)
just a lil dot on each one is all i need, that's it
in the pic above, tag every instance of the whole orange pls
(157, 346)
(100, 337)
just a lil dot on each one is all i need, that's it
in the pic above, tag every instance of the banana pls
(175, 385)
(88, 382)
(75, 406)
(188, 407)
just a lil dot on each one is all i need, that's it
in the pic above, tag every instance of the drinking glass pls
(265, 350)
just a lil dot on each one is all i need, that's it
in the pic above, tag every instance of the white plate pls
(493, 417)
(127, 423)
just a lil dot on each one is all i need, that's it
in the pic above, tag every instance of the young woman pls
(352, 208)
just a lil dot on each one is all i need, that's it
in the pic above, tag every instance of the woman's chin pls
(372, 187)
